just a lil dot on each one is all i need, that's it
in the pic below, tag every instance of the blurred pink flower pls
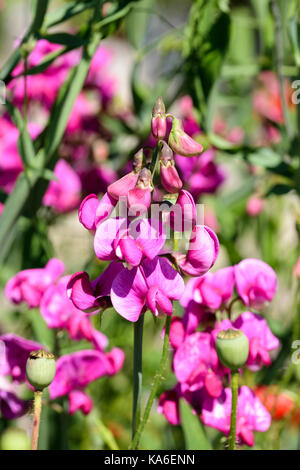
(168, 405)
(200, 174)
(11, 406)
(152, 285)
(11, 164)
(256, 282)
(63, 195)
(196, 363)
(251, 414)
(29, 285)
(43, 87)
(261, 339)
(59, 312)
(14, 354)
(75, 371)
(254, 206)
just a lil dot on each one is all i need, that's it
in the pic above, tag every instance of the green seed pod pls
(40, 369)
(14, 439)
(233, 348)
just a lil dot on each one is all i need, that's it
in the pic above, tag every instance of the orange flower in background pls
(279, 404)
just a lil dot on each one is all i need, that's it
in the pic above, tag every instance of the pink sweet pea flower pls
(195, 363)
(75, 371)
(114, 240)
(91, 296)
(59, 312)
(92, 212)
(261, 339)
(202, 254)
(42, 87)
(29, 285)
(296, 269)
(63, 195)
(152, 285)
(251, 414)
(15, 354)
(211, 290)
(256, 282)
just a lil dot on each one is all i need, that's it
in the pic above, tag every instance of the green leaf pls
(136, 24)
(42, 333)
(65, 39)
(66, 12)
(193, 429)
(25, 144)
(279, 189)
(265, 157)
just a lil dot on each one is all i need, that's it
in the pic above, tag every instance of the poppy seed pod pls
(40, 369)
(232, 348)
(182, 143)
(159, 120)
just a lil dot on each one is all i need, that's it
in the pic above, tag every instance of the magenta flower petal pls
(169, 405)
(105, 236)
(182, 143)
(202, 253)
(123, 185)
(80, 292)
(256, 282)
(116, 358)
(128, 293)
(160, 273)
(15, 355)
(76, 370)
(87, 211)
(105, 208)
(79, 400)
(151, 237)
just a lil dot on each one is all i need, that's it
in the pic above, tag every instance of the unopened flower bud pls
(139, 198)
(40, 369)
(168, 173)
(182, 143)
(159, 120)
(232, 348)
(137, 163)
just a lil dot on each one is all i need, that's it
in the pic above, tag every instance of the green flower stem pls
(37, 408)
(135, 443)
(137, 372)
(234, 390)
(107, 435)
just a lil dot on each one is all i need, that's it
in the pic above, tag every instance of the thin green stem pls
(107, 435)
(234, 391)
(137, 372)
(135, 443)
(279, 59)
(37, 408)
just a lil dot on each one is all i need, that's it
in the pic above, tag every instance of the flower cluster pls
(201, 377)
(46, 288)
(141, 275)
